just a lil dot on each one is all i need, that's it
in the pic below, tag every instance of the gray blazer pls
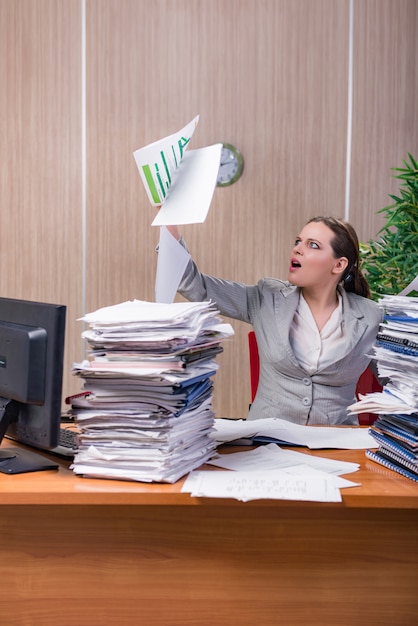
(285, 389)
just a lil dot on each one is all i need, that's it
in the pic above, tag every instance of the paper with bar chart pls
(178, 180)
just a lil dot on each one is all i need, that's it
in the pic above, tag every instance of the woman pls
(314, 331)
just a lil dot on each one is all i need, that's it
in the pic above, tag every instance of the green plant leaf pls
(390, 262)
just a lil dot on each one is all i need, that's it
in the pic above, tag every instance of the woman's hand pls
(174, 230)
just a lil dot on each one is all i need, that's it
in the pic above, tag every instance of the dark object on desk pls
(67, 444)
(264, 439)
(67, 447)
(20, 461)
(366, 383)
(31, 365)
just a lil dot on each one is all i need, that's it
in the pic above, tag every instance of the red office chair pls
(254, 363)
(366, 383)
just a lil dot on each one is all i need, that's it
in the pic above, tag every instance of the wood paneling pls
(385, 92)
(206, 566)
(265, 76)
(84, 551)
(270, 76)
(40, 152)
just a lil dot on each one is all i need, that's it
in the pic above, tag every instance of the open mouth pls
(294, 263)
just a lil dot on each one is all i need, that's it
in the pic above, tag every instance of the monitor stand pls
(20, 461)
(17, 460)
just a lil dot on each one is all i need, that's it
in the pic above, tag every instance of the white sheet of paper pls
(144, 311)
(172, 261)
(272, 457)
(192, 188)
(339, 482)
(273, 485)
(311, 436)
(381, 402)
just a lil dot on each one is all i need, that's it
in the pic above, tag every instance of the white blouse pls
(314, 349)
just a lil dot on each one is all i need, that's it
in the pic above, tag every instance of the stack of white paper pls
(146, 413)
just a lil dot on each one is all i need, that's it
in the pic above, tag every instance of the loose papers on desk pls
(396, 353)
(256, 485)
(273, 457)
(272, 473)
(282, 431)
(146, 413)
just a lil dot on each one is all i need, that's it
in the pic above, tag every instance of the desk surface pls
(116, 559)
(380, 488)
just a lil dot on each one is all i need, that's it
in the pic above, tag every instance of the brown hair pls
(345, 243)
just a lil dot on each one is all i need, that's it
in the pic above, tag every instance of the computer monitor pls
(32, 336)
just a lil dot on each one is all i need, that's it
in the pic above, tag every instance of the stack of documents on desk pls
(396, 354)
(397, 438)
(145, 412)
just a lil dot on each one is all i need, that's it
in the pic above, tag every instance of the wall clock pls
(231, 165)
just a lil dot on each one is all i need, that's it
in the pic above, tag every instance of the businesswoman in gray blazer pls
(314, 331)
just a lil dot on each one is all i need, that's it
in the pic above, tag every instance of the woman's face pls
(312, 260)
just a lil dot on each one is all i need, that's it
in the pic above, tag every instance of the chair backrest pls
(366, 383)
(254, 363)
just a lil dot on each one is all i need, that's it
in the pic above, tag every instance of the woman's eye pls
(313, 244)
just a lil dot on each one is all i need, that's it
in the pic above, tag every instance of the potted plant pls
(390, 262)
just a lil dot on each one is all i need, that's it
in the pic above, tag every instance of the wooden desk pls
(96, 552)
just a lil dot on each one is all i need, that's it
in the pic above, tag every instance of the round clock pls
(231, 165)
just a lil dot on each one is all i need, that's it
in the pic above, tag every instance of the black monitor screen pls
(32, 336)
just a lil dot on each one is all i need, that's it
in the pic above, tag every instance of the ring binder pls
(379, 457)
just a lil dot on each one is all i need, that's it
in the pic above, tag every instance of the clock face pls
(231, 166)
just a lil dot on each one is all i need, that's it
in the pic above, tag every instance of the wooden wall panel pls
(267, 76)
(385, 107)
(40, 150)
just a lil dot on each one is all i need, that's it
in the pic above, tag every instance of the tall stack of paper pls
(396, 353)
(146, 412)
